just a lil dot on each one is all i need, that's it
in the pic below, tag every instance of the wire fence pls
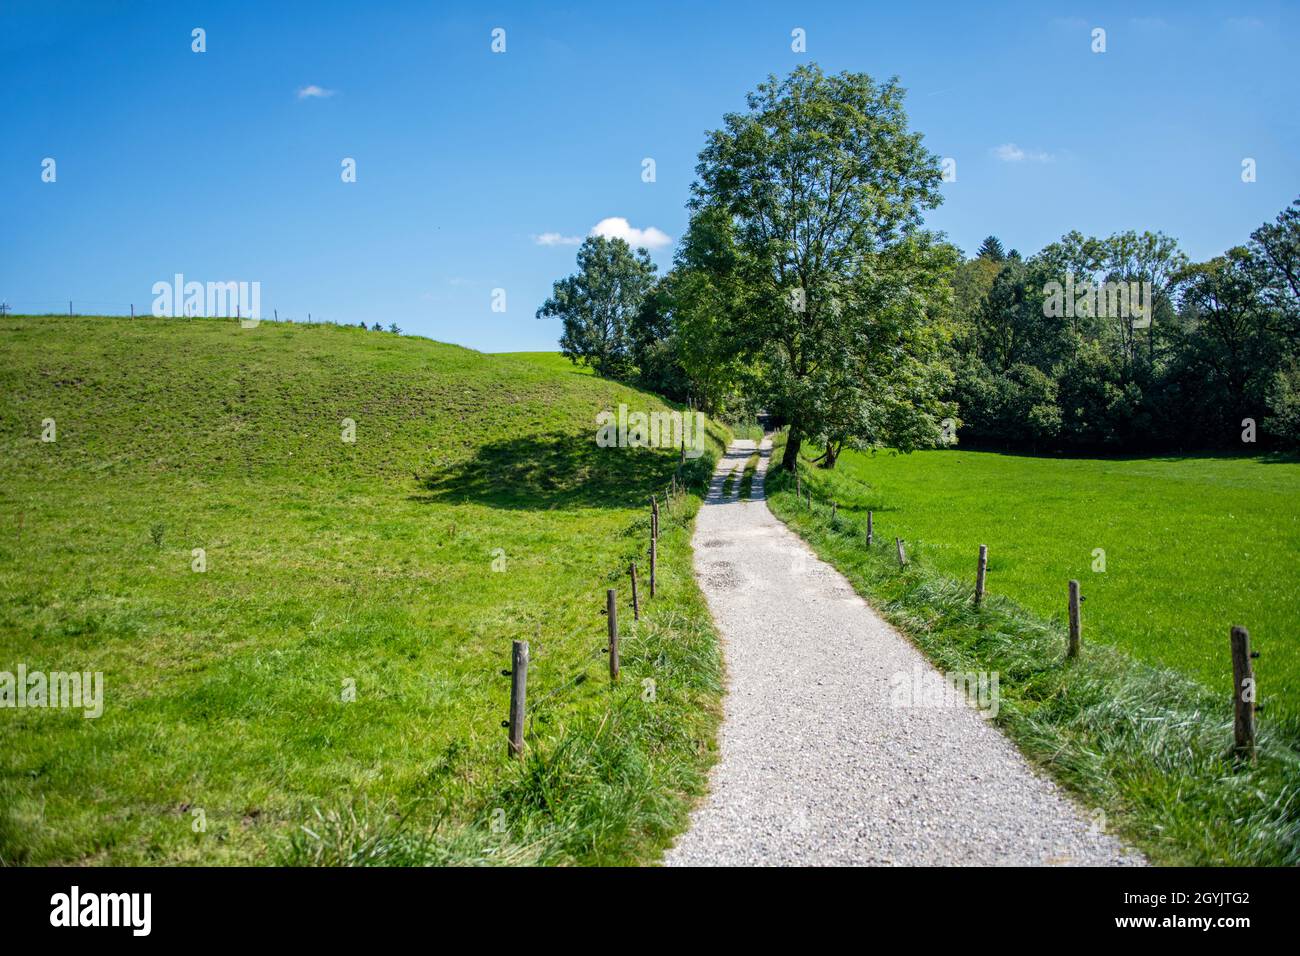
(116, 308)
(109, 308)
(35, 306)
(560, 693)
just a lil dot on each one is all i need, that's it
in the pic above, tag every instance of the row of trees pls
(1213, 348)
(807, 285)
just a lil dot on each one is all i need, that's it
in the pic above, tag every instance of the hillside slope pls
(337, 661)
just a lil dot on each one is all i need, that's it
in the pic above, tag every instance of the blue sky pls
(216, 165)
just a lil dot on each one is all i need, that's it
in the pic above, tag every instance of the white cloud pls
(612, 227)
(555, 239)
(616, 227)
(313, 91)
(1011, 153)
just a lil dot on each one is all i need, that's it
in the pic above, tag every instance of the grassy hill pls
(329, 688)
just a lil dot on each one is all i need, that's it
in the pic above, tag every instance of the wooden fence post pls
(653, 562)
(902, 554)
(654, 518)
(798, 488)
(980, 568)
(1076, 624)
(833, 511)
(518, 696)
(636, 603)
(611, 608)
(1243, 693)
(871, 531)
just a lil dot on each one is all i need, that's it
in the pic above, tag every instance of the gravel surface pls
(824, 760)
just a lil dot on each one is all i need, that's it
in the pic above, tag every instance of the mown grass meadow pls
(1169, 552)
(1140, 732)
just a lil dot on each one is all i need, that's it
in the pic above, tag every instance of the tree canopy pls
(824, 184)
(991, 249)
(599, 303)
(807, 285)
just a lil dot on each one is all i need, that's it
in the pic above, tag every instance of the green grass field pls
(1140, 725)
(1191, 546)
(472, 508)
(551, 361)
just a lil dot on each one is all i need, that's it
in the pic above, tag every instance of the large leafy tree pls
(599, 303)
(654, 350)
(1275, 269)
(971, 283)
(706, 295)
(821, 178)
(1147, 257)
(1013, 326)
(880, 379)
(1230, 347)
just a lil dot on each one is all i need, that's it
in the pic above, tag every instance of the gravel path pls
(822, 761)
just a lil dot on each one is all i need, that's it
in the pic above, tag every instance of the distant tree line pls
(1212, 350)
(807, 286)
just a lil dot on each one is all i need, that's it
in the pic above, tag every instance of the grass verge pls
(1170, 551)
(608, 781)
(747, 481)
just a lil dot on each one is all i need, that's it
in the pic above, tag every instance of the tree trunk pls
(790, 460)
(832, 454)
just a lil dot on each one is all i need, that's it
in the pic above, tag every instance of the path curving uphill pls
(819, 763)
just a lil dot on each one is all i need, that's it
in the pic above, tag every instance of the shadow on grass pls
(1279, 458)
(1270, 457)
(544, 472)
